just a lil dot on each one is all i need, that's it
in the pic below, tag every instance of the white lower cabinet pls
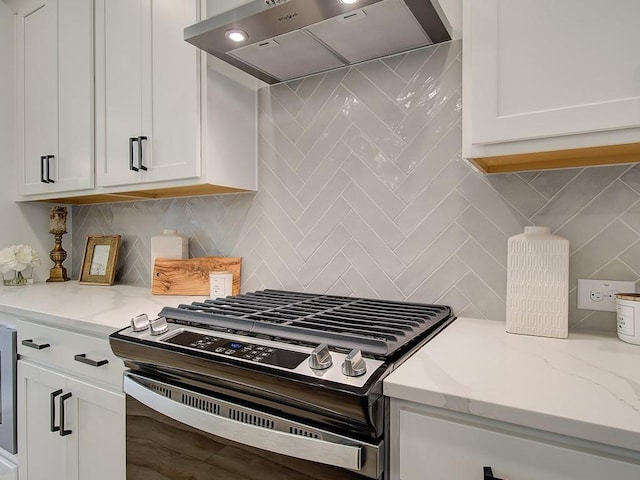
(71, 424)
(434, 444)
(8, 471)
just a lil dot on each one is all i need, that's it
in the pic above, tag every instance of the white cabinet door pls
(93, 447)
(444, 447)
(43, 453)
(98, 446)
(54, 91)
(536, 69)
(173, 116)
(8, 471)
(147, 95)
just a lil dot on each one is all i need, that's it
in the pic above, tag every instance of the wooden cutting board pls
(191, 277)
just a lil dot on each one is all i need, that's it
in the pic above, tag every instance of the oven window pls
(159, 447)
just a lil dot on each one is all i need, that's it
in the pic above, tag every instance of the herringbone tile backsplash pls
(363, 192)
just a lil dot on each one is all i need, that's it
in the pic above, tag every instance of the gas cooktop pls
(376, 327)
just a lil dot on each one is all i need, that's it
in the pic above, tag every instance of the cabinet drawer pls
(74, 352)
(441, 449)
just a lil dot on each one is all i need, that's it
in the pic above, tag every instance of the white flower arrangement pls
(18, 258)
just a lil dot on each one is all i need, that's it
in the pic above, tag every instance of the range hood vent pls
(287, 39)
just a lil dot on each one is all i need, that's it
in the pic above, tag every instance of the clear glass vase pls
(15, 278)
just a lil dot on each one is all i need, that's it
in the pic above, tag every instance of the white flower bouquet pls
(15, 260)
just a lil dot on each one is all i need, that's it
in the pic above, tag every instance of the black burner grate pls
(379, 327)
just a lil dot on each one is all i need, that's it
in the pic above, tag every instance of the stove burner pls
(377, 327)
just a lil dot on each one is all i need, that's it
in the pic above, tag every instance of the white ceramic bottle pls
(538, 283)
(169, 245)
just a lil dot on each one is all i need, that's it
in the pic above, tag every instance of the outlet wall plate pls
(601, 294)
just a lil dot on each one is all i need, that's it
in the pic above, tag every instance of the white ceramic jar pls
(628, 315)
(538, 283)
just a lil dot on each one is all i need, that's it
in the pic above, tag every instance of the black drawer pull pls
(52, 414)
(38, 346)
(43, 160)
(82, 358)
(50, 180)
(140, 165)
(131, 165)
(488, 474)
(63, 432)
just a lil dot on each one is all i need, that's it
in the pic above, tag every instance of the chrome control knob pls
(320, 358)
(140, 323)
(354, 365)
(158, 326)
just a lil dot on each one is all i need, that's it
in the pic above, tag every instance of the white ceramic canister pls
(628, 314)
(169, 245)
(538, 283)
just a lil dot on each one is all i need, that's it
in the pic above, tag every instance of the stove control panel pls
(232, 348)
(346, 368)
(354, 365)
(158, 326)
(320, 358)
(140, 323)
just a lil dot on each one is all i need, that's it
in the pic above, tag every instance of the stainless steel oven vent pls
(251, 419)
(164, 391)
(200, 403)
(303, 433)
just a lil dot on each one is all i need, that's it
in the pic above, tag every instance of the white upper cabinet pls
(54, 95)
(147, 92)
(159, 120)
(545, 75)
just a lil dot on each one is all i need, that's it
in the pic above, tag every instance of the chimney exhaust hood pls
(279, 40)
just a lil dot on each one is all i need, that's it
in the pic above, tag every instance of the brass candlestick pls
(58, 227)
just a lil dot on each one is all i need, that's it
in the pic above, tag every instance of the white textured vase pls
(538, 284)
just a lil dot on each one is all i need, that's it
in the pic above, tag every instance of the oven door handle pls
(305, 448)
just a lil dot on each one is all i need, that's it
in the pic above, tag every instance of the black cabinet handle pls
(38, 346)
(131, 165)
(82, 357)
(43, 160)
(50, 180)
(140, 165)
(52, 416)
(63, 432)
(488, 474)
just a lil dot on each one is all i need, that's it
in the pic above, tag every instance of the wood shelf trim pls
(158, 193)
(577, 157)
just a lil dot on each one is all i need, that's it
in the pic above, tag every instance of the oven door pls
(175, 433)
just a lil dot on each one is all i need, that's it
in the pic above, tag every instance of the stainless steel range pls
(276, 382)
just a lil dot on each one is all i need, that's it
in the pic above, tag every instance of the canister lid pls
(536, 230)
(634, 297)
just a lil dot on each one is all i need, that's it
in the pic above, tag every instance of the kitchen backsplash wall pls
(363, 192)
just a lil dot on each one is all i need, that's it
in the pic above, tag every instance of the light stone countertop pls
(95, 309)
(586, 386)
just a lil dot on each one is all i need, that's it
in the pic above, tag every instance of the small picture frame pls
(99, 261)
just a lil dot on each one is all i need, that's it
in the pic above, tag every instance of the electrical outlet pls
(601, 294)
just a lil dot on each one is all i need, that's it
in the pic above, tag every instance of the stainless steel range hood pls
(287, 39)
